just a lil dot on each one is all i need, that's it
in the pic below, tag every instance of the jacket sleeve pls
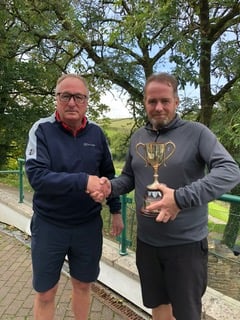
(38, 170)
(222, 174)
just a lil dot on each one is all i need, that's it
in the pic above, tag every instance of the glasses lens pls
(78, 98)
(64, 97)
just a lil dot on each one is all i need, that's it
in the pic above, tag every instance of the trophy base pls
(149, 214)
(150, 197)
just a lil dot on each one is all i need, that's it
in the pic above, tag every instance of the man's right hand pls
(98, 188)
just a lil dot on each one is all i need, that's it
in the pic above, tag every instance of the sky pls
(117, 106)
(117, 102)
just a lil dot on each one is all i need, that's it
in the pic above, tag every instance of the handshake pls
(98, 188)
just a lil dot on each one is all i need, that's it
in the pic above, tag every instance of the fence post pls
(123, 243)
(123, 238)
(21, 172)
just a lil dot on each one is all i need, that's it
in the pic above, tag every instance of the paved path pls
(16, 293)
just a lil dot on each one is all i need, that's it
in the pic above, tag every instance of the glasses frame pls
(76, 96)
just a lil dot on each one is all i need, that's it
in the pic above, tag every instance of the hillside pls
(122, 124)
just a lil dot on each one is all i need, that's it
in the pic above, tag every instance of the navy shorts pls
(50, 244)
(174, 274)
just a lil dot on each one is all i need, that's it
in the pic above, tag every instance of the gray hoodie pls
(200, 170)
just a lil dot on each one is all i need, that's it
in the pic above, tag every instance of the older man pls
(65, 156)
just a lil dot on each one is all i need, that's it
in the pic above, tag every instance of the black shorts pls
(174, 274)
(50, 244)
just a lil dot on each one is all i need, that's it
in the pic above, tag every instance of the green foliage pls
(230, 108)
(118, 132)
(227, 129)
(231, 231)
(111, 43)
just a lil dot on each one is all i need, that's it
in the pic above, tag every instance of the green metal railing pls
(20, 172)
(125, 243)
(230, 198)
(128, 210)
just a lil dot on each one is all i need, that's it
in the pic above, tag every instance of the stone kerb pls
(14, 213)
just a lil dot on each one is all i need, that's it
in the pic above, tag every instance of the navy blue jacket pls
(58, 165)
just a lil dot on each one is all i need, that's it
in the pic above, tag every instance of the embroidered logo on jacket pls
(31, 152)
(86, 144)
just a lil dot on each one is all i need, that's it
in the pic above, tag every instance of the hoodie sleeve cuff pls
(176, 200)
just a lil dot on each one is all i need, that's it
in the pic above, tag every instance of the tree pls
(123, 42)
(230, 137)
(119, 43)
(24, 86)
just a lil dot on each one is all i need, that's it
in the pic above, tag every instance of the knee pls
(47, 296)
(163, 312)
(79, 286)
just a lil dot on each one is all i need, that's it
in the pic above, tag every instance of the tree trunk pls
(205, 65)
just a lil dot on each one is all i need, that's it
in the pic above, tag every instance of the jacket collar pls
(66, 127)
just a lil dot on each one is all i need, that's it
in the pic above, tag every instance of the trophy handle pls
(138, 145)
(172, 151)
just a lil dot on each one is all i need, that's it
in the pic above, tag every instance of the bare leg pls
(81, 298)
(163, 312)
(44, 304)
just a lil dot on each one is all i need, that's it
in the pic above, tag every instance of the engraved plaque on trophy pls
(154, 154)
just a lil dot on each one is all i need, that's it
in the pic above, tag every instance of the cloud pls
(117, 104)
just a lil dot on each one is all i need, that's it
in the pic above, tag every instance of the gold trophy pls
(154, 154)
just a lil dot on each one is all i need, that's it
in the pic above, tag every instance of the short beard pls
(158, 125)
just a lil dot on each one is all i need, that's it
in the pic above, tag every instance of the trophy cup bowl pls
(154, 154)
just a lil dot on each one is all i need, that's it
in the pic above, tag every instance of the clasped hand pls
(98, 188)
(167, 206)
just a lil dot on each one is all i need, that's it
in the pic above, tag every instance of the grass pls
(215, 227)
(219, 210)
(120, 125)
(13, 181)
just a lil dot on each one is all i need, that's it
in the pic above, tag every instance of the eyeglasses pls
(78, 97)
